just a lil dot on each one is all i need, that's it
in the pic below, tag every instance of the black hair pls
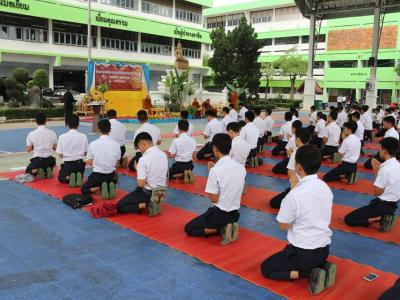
(104, 126)
(364, 108)
(222, 142)
(143, 136)
(389, 110)
(183, 125)
(351, 125)
(324, 117)
(340, 108)
(303, 134)
(249, 115)
(333, 114)
(312, 108)
(391, 145)
(142, 115)
(331, 107)
(379, 107)
(288, 116)
(320, 114)
(211, 113)
(231, 105)
(268, 111)
(73, 121)
(241, 124)
(257, 111)
(225, 110)
(357, 115)
(390, 119)
(294, 112)
(40, 118)
(184, 114)
(297, 124)
(234, 126)
(309, 158)
(111, 114)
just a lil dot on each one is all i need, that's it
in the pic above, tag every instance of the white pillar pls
(51, 75)
(173, 9)
(372, 83)
(50, 31)
(309, 82)
(139, 42)
(98, 46)
(173, 47)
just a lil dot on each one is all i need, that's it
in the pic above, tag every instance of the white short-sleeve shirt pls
(308, 207)
(234, 114)
(313, 118)
(351, 148)
(242, 113)
(240, 150)
(226, 179)
(250, 134)
(73, 145)
(105, 152)
(360, 130)
(320, 128)
(366, 120)
(43, 140)
(291, 143)
(189, 133)
(292, 161)
(388, 178)
(118, 132)
(261, 125)
(269, 123)
(341, 119)
(183, 148)
(392, 132)
(226, 120)
(154, 132)
(332, 132)
(212, 128)
(153, 167)
(285, 131)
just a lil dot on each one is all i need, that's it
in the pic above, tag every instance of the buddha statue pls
(181, 63)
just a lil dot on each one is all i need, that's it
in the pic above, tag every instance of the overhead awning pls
(318, 89)
(335, 9)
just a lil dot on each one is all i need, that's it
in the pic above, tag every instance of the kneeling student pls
(184, 116)
(284, 135)
(331, 137)
(224, 187)
(386, 188)
(212, 128)
(240, 149)
(152, 171)
(103, 155)
(118, 134)
(302, 138)
(72, 147)
(182, 149)
(306, 214)
(350, 153)
(250, 134)
(41, 142)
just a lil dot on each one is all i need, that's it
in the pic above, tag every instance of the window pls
(154, 44)
(233, 20)
(216, 22)
(23, 33)
(318, 64)
(320, 38)
(287, 13)
(289, 40)
(266, 42)
(187, 16)
(343, 64)
(386, 63)
(263, 16)
(116, 44)
(156, 9)
(128, 4)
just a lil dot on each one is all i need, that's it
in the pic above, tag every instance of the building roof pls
(249, 5)
(204, 3)
(334, 9)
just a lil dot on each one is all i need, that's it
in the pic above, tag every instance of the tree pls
(267, 72)
(40, 78)
(397, 68)
(236, 56)
(13, 91)
(21, 75)
(293, 66)
(177, 84)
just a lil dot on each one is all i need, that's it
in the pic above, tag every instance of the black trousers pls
(328, 150)
(213, 218)
(130, 203)
(40, 163)
(376, 125)
(391, 293)
(279, 265)
(252, 153)
(281, 167)
(368, 162)
(344, 168)
(316, 141)
(276, 201)
(95, 180)
(367, 135)
(123, 151)
(311, 128)
(280, 147)
(261, 141)
(134, 159)
(376, 208)
(180, 167)
(68, 167)
(206, 150)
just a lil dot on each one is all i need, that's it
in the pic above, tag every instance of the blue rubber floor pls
(49, 251)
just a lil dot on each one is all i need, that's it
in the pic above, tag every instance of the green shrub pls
(30, 113)
(21, 75)
(40, 78)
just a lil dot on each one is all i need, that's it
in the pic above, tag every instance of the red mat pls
(257, 198)
(369, 145)
(238, 258)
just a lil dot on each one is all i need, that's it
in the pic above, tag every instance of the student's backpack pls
(77, 200)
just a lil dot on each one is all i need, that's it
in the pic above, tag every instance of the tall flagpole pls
(89, 43)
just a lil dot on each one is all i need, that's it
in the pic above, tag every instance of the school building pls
(342, 51)
(53, 35)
